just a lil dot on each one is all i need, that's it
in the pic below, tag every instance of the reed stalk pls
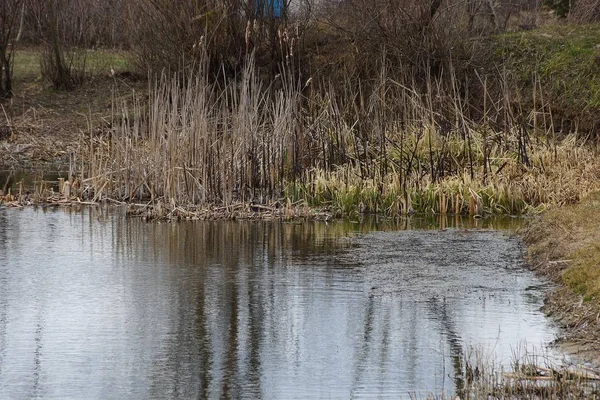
(380, 147)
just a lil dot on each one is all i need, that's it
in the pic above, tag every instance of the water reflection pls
(93, 305)
(10, 179)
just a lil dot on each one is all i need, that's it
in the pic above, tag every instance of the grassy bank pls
(563, 245)
(564, 59)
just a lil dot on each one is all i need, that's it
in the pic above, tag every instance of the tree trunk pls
(5, 75)
(62, 78)
(494, 15)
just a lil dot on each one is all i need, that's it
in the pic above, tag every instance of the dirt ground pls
(41, 126)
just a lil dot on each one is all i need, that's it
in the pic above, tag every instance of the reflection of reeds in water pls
(237, 255)
(234, 243)
(391, 149)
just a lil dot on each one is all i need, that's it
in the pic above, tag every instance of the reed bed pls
(49, 193)
(556, 177)
(390, 146)
(72, 195)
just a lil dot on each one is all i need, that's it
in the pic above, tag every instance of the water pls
(97, 306)
(29, 179)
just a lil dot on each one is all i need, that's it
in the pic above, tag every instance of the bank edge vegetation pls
(388, 149)
(349, 108)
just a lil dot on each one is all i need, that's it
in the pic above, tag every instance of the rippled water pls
(97, 306)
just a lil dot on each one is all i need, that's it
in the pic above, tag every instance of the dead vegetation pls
(530, 375)
(563, 245)
(76, 193)
(389, 148)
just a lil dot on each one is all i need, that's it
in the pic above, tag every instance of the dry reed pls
(384, 147)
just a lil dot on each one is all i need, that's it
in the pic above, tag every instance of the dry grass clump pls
(555, 176)
(529, 376)
(563, 245)
(584, 11)
(388, 149)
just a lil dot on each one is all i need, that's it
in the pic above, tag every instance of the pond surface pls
(29, 179)
(97, 306)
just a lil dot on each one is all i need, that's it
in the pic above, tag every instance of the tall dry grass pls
(389, 148)
(196, 142)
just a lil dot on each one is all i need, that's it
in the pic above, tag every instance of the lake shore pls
(47, 129)
(213, 192)
(562, 245)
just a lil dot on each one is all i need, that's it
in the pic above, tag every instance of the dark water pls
(95, 306)
(30, 179)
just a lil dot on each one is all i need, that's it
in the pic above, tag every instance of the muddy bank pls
(564, 246)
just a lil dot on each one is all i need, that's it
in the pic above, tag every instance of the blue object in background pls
(268, 8)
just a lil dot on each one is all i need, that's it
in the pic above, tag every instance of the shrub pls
(173, 34)
(560, 7)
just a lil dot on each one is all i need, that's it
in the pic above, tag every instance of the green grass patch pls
(26, 65)
(564, 59)
(584, 274)
(101, 61)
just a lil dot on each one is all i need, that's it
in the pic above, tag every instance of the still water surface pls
(97, 306)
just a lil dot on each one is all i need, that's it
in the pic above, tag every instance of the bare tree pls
(9, 19)
(63, 27)
(167, 33)
(61, 78)
(171, 34)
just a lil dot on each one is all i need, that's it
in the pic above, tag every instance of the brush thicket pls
(390, 146)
